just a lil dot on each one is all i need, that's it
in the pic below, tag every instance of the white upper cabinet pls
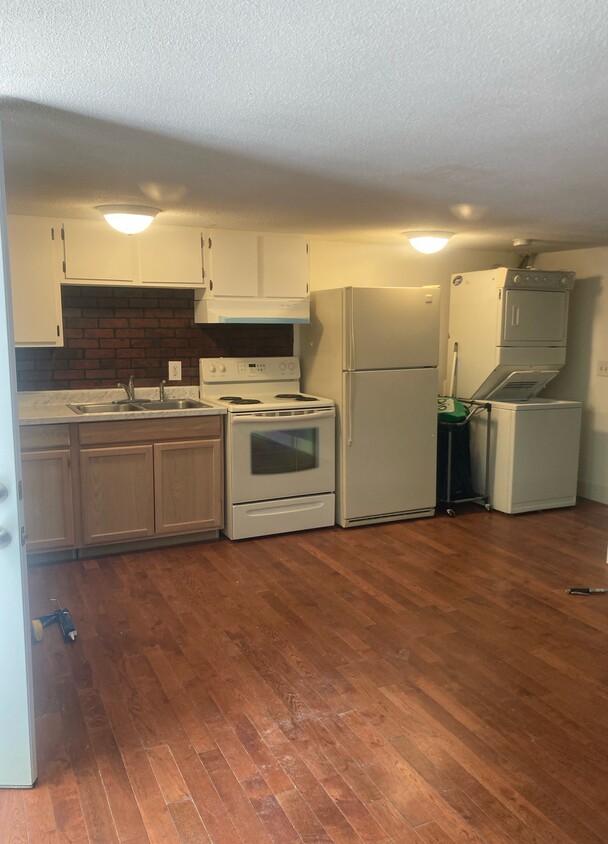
(231, 263)
(246, 264)
(170, 255)
(36, 292)
(162, 255)
(283, 266)
(95, 251)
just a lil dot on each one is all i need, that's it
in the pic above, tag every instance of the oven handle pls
(242, 418)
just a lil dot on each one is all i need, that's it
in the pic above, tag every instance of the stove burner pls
(239, 400)
(295, 397)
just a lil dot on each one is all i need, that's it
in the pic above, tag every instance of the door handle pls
(5, 538)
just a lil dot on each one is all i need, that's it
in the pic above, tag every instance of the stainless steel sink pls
(174, 404)
(108, 407)
(130, 407)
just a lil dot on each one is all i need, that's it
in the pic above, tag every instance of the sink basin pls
(174, 404)
(130, 407)
(108, 407)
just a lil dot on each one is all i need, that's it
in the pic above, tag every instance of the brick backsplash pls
(113, 332)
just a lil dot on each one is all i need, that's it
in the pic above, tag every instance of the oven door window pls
(282, 452)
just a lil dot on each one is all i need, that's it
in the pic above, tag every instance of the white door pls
(391, 327)
(534, 318)
(388, 442)
(17, 750)
(282, 455)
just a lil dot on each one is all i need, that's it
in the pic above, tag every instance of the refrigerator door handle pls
(350, 386)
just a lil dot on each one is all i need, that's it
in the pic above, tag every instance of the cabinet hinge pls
(52, 233)
(62, 233)
(63, 265)
(203, 272)
(58, 331)
(209, 243)
(210, 285)
(307, 249)
(20, 490)
(307, 287)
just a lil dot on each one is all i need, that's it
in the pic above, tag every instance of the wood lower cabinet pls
(150, 478)
(116, 486)
(186, 479)
(98, 483)
(47, 487)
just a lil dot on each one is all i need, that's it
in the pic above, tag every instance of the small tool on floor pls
(586, 590)
(61, 617)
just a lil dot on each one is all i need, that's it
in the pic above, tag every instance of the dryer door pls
(534, 318)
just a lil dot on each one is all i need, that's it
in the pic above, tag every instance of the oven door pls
(280, 454)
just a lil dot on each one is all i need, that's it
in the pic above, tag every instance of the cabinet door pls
(93, 250)
(35, 281)
(170, 255)
(47, 497)
(188, 486)
(117, 493)
(284, 266)
(231, 263)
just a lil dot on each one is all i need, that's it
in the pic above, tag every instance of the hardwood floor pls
(422, 681)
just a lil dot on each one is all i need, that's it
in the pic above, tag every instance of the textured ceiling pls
(352, 120)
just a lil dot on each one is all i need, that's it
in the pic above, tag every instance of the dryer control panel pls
(538, 280)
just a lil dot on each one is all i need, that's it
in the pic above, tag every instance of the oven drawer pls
(263, 518)
(272, 456)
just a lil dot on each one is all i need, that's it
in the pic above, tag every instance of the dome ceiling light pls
(427, 241)
(128, 219)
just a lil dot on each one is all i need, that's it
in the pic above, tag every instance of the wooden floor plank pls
(417, 681)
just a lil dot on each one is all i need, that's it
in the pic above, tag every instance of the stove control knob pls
(292, 365)
(222, 368)
(211, 367)
(564, 280)
(516, 279)
(282, 365)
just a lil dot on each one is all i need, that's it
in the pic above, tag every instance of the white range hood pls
(251, 310)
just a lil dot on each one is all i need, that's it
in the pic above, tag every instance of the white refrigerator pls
(375, 351)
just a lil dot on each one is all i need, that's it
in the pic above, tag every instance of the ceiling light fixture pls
(428, 242)
(128, 219)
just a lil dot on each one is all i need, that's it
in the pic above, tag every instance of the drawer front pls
(44, 436)
(150, 430)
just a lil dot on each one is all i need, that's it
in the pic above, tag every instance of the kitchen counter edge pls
(51, 407)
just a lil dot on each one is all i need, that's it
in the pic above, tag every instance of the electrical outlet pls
(602, 367)
(175, 370)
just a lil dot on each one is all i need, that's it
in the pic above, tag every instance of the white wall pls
(587, 344)
(341, 264)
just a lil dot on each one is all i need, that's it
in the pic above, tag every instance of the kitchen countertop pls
(50, 406)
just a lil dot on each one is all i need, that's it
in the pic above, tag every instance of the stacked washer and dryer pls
(507, 333)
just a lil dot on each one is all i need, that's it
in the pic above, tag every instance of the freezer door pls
(388, 449)
(391, 327)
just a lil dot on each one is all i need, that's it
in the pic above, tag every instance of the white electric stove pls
(280, 446)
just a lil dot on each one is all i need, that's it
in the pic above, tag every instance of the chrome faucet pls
(129, 388)
(161, 390)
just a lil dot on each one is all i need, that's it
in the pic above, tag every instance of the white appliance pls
(374, 351)
(508, 330)
(533, 454)
(280, 446)
(249, 310)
